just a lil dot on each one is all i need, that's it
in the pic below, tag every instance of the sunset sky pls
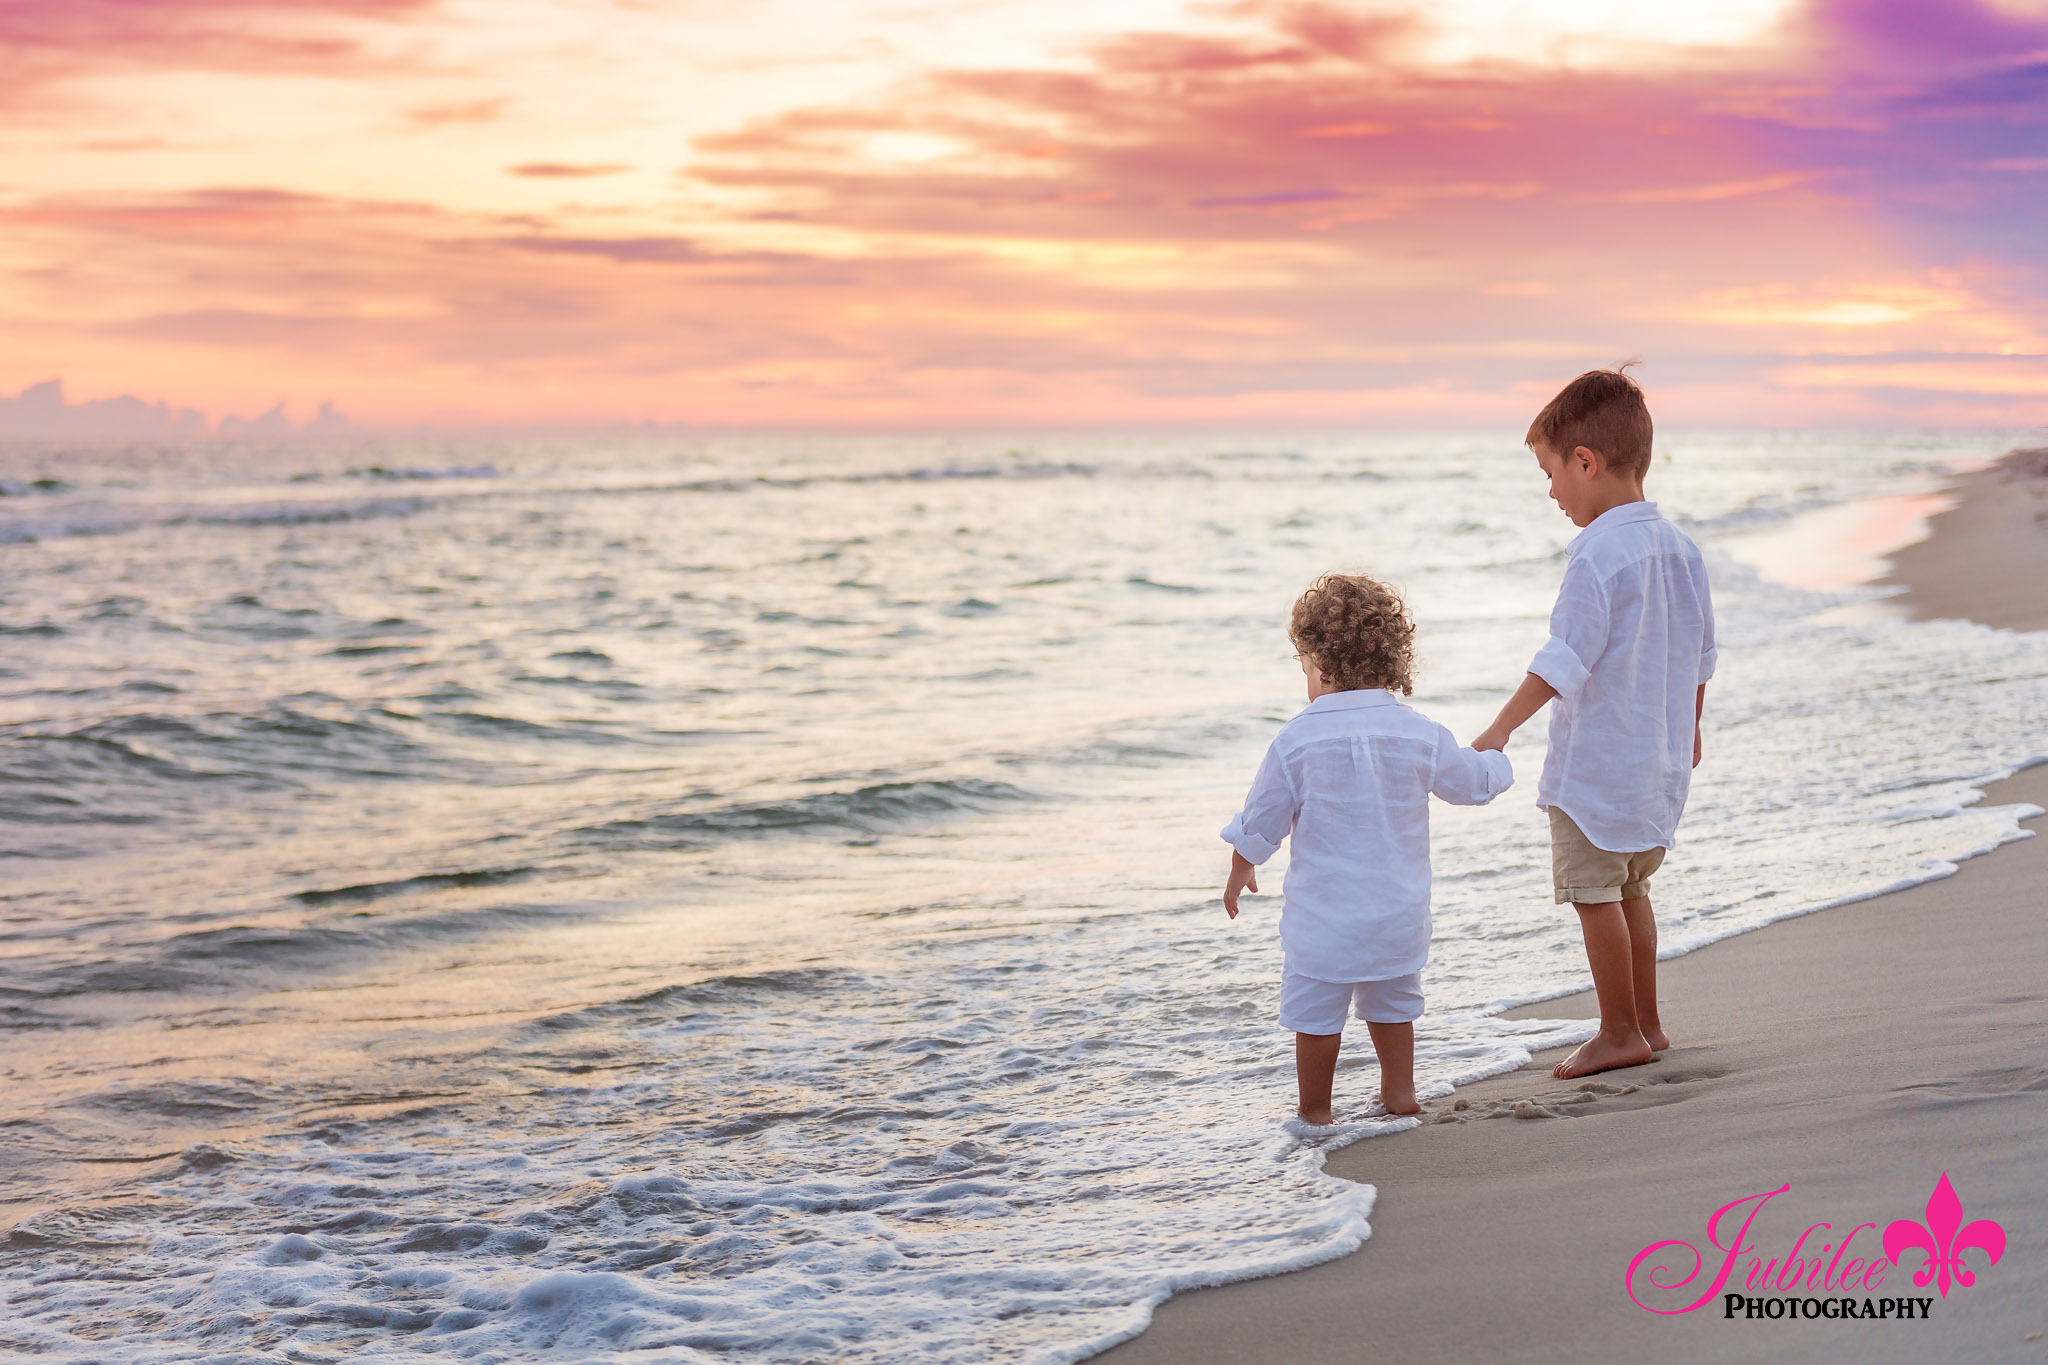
(988, 212)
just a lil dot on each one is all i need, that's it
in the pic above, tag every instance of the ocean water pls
(543, 899)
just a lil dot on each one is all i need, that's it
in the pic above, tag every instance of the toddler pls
(1350, 778)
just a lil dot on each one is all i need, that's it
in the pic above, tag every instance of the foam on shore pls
(683, 930)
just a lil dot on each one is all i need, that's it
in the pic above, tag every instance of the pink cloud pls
(43, 42)
(1625, 192)
(195, 31)
(1303, 221)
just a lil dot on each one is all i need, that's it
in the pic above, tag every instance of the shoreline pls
(1985, 558)
(1855, 1054)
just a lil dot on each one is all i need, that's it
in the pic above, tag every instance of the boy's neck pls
(1607, 497)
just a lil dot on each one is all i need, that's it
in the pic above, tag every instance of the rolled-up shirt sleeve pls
(1468, 777)
(1578, 631)
(1268, 814)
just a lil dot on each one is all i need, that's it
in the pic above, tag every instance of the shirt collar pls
(1352, 700)
(1611, 518)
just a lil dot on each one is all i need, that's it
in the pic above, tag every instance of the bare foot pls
(1659, 1040)
(1317, 1120)
(1405, 1106)
(1600, 1053)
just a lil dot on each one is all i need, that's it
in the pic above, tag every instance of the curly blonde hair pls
(1357, 631)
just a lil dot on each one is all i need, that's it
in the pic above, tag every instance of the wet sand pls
(1855, 1054)
(1986, 558)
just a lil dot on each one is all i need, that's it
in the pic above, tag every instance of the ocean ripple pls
(872, 810)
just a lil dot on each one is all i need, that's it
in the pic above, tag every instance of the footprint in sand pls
(1577, 1101)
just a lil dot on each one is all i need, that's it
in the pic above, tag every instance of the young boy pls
(1350, 778)
(1631, 648)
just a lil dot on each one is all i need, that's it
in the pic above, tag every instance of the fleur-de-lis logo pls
(1943, 1244)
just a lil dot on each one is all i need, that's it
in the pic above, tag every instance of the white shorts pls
(1311, 1006)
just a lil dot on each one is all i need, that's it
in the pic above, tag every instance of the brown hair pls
(1357, 631)
(1602, 410)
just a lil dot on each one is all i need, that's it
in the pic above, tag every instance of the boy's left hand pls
(1243, 877)
(1695, 746)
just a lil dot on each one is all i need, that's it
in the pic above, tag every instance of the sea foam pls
(754, 898)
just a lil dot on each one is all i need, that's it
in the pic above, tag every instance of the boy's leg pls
(1315, 1072)
(1609, 952)
(1395, 1044)
(1599, 884)
(1642, 942)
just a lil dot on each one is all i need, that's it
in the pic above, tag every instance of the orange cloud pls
(563, 170)
(1348, 130)
(454, 114)
(1298, 217)
(1731, 189)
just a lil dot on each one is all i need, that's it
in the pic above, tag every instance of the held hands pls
(1243, 877)
(1492, 738)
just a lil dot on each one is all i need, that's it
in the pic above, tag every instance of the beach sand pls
(1855, 1054)
(1986, 558)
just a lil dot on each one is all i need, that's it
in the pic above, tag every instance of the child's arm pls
(1468, 777)
(1243, 877)
(1529, 698)
(1710, 655)
(1254, 833)
(1578, 637)
(1699, 707)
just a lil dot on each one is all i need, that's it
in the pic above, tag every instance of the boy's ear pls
(1589, 461)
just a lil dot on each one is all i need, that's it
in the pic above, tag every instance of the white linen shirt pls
(1350, 777)
(1631, 640)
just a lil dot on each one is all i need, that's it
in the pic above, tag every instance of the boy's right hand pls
(1243, 877)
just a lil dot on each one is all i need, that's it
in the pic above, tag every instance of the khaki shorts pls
(1586, 875)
